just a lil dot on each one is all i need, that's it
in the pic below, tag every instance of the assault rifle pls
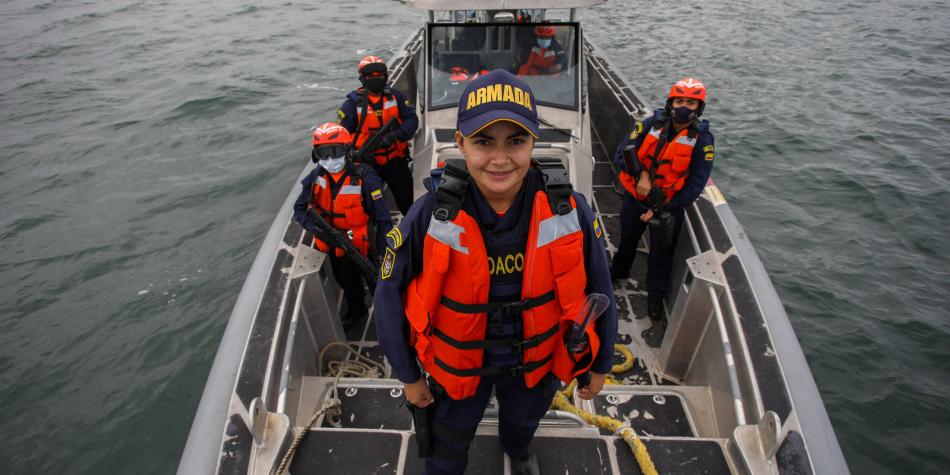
(335, 238)
(367, 151)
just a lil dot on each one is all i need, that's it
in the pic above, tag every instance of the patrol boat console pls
(728, 389)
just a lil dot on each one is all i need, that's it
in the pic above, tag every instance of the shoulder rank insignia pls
(389, 261)
(395, 238)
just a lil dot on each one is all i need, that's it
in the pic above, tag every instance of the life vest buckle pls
(511, 308)
(519, 370)
(441, 214)
(528, 367)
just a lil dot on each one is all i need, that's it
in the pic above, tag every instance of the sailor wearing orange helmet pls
(546, 56)
(665, 163)
(366, 110)
(482, 279)
(349, 197)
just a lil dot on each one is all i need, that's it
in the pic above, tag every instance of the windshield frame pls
(573, 60)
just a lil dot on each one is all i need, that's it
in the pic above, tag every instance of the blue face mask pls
(683, 114)
(544, 42)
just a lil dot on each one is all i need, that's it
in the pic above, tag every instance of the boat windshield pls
(460, 52)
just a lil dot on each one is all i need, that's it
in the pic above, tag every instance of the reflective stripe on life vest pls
(344, 212)
(672, 162)
(374, 120)
(448, 308)
(539, 60)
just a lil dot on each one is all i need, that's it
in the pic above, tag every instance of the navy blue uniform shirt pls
(700, 164)
(498, 231)
(407, 113)
(374, 201)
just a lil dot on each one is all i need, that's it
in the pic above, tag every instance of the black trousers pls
(398, 177)
(520, 410)
(347, 275)
(660, 260)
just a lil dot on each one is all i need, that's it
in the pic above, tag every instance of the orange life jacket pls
(369, 120)
(345, 211)
(539, 61)
(672, 163)
(447, 303)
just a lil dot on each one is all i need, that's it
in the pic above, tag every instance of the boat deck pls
(675, 422)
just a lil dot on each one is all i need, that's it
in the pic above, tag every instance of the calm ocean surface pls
(146, 146)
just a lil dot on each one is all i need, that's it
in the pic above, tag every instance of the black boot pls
(527, 466)
(655, 308)
(653, 336)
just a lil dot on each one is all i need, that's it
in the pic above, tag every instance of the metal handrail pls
(730, 360)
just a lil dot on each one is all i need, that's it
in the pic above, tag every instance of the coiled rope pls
(563, 402)
(363, 367)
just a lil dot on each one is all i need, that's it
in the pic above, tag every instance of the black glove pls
(387, 140)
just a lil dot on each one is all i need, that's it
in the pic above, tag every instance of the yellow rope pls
(627, 364)
(562, 402)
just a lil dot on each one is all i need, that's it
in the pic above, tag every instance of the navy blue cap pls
(496, 96)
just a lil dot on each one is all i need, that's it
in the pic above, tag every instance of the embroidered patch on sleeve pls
(389, 261)
(597, 231)
(709, 156)
(636, 130)
(395, 238)
(376, 194)
(709, 148)
(340, 114)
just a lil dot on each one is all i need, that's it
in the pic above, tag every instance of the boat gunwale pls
(204, 449)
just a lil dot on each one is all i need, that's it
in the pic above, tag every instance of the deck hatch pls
(676, 456)
(659, 415)
(335, 451)
(372, 408)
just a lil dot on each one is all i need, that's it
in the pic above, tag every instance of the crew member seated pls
(349, 197)
(546, 56)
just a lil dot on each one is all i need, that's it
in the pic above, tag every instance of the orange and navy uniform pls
(540, 60)
(351, 200)
(480, 293)
(683, 166)
(363, 113)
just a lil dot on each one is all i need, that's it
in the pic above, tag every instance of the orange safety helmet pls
(371, 64)
(689, 88)
(331, 133)
(545, 31)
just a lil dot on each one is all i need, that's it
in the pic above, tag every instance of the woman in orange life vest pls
(483, 277)
(545, 57)
(349, 197)
(680, 170)
(366, 110)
